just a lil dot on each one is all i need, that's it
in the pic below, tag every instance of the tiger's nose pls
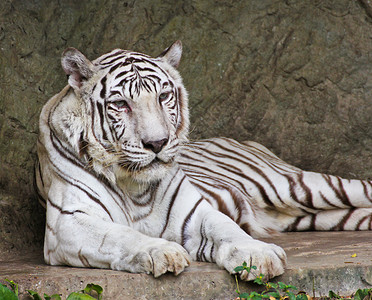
(155, 146)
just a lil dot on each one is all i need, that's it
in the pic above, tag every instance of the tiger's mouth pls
(158, 163)
(138, 167)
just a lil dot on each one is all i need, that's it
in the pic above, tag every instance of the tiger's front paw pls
(156, 257)
(269, 259)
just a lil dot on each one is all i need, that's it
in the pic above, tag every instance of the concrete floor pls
(317, 263)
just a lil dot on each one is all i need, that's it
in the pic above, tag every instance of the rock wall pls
(293, 75)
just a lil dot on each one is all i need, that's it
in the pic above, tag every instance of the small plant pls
(361, 294)
(282, 291)
(36, 296)
(9, 293)
(85, 294)
(91, 292)
(272, 291)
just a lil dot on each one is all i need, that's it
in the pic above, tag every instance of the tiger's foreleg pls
(82, 235)
(214, 237)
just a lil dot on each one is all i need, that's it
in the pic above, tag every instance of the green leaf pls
(361, 294)
(332, 294)
(6, 293)
(291, 296)
(79, 296)
(282, 285)
(259, 280)
(256, 296)
(93, 287)
(53, 297)
(239, 269)
(244, 295)
(301, 297)
(273, 285)
(274, 294)
(291, 287)
(34, 295)
(252, 295)
(285, 287)
(13, 286)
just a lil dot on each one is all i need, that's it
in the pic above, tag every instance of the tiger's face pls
(136, 110)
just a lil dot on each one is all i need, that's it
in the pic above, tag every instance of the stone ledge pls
(321, 260)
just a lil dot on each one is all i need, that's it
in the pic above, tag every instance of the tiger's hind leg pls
(334, 220)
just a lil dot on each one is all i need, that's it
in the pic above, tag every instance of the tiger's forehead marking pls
(133, 73)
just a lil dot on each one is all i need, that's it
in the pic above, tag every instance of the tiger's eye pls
(164, 96)
(122, 104)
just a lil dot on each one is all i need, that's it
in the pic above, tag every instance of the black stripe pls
(211, 253)
(174, 196)
(151, 191)
(294, 225)
(84, 260)
(221, 204)
(307, 191)
(65, 212)
(345, 198)
(365, 189)
(37, 169)
(114, 67)
(327, 201)
(101, 115)
(83, 145)
(312, 225)
(84, 167)
(254, 168)
(102, 63)
(202, 243)
(96, 200)
(360, 222)
(187, 220)
(222, 175)
(48, 227)
(112, 55)
(121, 74)
(64, 177)
(63, 151)
(40, 173)
(342, 223)
(340, 192)
(103, 90)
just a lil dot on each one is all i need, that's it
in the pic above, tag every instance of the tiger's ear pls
(173, 54)
(77, 66)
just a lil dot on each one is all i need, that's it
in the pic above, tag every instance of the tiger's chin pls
(153, 172)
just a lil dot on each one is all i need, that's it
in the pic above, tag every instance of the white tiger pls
(124, 189)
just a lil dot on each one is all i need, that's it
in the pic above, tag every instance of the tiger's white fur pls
(125, 190)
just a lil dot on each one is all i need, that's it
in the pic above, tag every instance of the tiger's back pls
(294, 200)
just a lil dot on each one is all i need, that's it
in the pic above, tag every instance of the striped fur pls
(124, 189)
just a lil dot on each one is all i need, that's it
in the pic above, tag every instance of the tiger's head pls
(134, 110)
